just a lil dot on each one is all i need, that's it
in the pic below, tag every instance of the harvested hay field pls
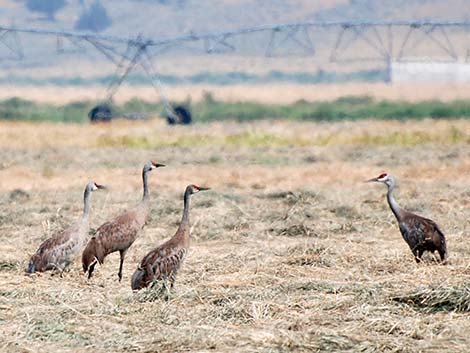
(291, 251)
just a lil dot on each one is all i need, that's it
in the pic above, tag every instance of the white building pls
(429, 71)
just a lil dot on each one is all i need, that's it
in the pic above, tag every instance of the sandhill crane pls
(421, 234)
(163, 262)
(119, 233)
(57, 252)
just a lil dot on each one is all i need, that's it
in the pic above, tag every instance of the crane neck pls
(392, 203)
(145, 184)
(187, 201)
(86, 202)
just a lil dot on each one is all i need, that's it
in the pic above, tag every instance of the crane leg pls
(91, 269)
(442, 254)
(172, 281)
(418, 255)
(56, 269)
(166, 289)
(123, 255)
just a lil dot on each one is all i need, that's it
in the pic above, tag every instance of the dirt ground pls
(291, 250)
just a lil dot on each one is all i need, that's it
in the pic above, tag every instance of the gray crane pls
(60, 250)
(120, 233)
(163, 262)
(421, 234)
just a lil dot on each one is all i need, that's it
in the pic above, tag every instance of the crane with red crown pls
(421, 234)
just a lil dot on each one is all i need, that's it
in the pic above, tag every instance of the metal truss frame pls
(377, 36)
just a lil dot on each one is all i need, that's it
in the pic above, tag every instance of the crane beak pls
(100, 186)
(157, 165)
(371, 180)
(203, 189)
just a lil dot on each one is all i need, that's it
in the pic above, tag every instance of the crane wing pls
(55, 251)
(123, 228)
(420, 231)
(55, 241)
(163, 261)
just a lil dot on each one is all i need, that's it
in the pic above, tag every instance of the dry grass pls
(290, 250)
(272, 93)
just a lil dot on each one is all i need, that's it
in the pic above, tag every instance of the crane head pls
(152, 165)
(98, 186)
(156, 165)
(382, 178)
(92, 186)
(194, 189)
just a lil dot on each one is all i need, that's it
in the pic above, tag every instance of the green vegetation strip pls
(253, 139)
(210, 109)
(245, 139)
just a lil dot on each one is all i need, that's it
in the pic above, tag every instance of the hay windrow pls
(434, 298)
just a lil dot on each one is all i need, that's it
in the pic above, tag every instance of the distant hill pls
(166, 18)
(171, 17)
